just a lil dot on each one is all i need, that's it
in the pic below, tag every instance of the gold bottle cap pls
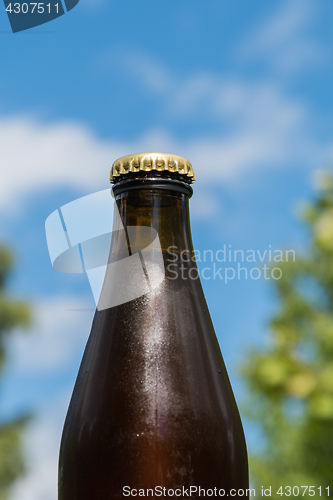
(146, 162)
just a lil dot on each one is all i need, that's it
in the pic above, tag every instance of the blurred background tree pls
(291, 383)
(12, 314)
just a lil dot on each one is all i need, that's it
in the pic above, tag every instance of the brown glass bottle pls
(152, 405)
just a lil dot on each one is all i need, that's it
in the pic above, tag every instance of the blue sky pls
(242, 89)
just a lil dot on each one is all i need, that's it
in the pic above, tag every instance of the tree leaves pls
(291, 383)
(13, 314)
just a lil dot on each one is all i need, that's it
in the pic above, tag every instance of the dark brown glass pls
(152, 404)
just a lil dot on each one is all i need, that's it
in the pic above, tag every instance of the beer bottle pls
(152, 412)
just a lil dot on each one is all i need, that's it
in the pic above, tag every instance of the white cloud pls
(41, 447)
(212, 96)
(61, 329)
(264, 126)
(36, 156)
(41, 450)
(283, 40)
(205, 205)
(288, 21)
(60, 332)
(153, 75)
(265, 129)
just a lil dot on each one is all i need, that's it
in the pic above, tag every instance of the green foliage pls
(291, 383)
(11, 463)
(12, 314)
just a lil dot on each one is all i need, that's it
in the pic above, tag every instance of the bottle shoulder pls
(160, 343)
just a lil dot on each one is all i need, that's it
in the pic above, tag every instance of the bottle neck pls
(151, 235)
(162, 206)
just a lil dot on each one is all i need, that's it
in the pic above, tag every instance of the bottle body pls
(152, 405)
